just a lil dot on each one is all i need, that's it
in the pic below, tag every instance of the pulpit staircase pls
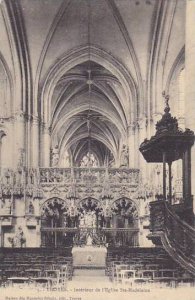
(175, 235)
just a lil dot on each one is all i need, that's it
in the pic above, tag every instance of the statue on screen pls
(125, 156)
(87, 219)
(90, 219)
(55, 156)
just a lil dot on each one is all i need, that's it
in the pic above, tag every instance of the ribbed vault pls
(72, 108)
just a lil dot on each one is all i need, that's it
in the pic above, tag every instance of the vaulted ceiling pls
(129, 47)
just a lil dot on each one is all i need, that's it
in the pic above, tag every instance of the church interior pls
(97, 155)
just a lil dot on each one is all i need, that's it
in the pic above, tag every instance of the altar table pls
(89, 256)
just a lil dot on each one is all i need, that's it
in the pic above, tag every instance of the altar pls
(89, 256)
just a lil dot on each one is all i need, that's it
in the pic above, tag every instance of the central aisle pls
(92, 275)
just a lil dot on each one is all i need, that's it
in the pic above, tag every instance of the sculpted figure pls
(55, 156)
(125, 156)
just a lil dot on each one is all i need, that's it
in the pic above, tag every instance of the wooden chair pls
(127, 276)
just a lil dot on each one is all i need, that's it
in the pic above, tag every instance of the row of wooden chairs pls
(145, 267)
(150, 274)
(137, 265)
(34, 268)
(54, 277)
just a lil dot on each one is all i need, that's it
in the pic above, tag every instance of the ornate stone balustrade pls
(91, 176)
(93, 182)
(33, 177)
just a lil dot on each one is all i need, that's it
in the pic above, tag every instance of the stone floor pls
(89, 275)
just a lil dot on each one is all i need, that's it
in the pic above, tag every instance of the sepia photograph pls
(97, 149)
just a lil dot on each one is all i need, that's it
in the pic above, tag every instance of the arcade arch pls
(63, 222)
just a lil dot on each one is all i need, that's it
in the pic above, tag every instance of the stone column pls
(136, 145)
(1, 234)
(2, 134)
(142, 135)
(46, 144)
(154, 171)
(0, 156)
(181, 105)
(131, 144)
(38, 233)
(35, 142)
(19, 139)
(190, 77)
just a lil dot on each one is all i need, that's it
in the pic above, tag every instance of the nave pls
(83, 85)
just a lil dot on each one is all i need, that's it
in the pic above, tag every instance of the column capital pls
(19, 116)
(45, 128)
(142, 122)
(6, 119)
(134, 125)
(131, 128)
(35, 120)
(22, 116)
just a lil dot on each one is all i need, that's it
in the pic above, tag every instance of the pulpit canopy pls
(168, 138)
